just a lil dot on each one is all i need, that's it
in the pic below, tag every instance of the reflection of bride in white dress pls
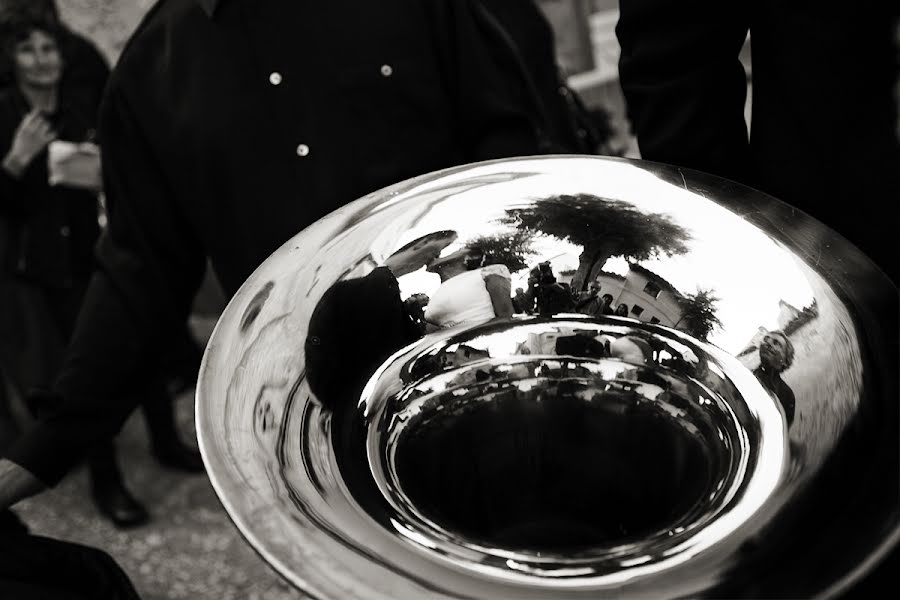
(470, 293)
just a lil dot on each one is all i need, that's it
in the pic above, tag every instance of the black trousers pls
(39, 568)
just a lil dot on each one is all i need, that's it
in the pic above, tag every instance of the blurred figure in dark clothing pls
(365, 314)
(86, 69)
(520, 301)
(606, 304)
(622, 310)
(570, 127)
(549, 297)
(51, 228)
(823, 132)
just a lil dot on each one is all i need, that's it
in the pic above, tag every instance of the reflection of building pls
(649, 297)
(789, 320)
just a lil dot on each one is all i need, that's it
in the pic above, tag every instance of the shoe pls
(10, 523)
(176, 455)
(117, 504)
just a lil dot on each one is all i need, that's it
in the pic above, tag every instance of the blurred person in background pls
(48, 233)
(546, 296)
(823, 131)
(50, 222)
(569, 125)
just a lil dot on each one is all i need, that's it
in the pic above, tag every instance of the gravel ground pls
(190, 549)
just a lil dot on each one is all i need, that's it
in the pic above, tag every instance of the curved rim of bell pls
(302, 416)
(745, 485)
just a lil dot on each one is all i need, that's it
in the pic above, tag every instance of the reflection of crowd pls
(546, 295)
(591, 303)
(476, 286)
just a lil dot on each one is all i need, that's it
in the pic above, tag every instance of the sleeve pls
(12, 194)
(150, 264)
(12, 190)
(500, 270)
(494, 108)
(684, 84)
(86, 69)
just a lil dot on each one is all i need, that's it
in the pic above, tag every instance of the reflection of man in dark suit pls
(356, 325)
(776, 355)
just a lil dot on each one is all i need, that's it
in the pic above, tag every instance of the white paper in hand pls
(74, 165)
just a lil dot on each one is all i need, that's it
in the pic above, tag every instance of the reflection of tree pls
(512, 248)
(603, 228)
(698, 313)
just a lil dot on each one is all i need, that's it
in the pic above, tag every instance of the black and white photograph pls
(463, 299)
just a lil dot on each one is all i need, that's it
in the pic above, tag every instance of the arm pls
(149, 266)
(29, 138)
(499, 289)
(683, 83)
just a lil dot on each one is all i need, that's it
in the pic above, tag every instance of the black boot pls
(11, 524)
(111, 497)
(167, 447)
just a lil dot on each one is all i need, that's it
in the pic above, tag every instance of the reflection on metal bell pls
(566, 377)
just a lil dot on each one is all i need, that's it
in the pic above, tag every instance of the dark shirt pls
(773, 382)
(230, 126)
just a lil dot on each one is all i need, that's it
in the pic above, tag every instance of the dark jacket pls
(50, 231)
(773, 382)
(530, 39)
(230, 126)
(357, 324)
(824, 134)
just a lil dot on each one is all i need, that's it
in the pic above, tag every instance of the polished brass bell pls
(559, 377)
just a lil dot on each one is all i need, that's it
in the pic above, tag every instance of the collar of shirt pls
(210, 6)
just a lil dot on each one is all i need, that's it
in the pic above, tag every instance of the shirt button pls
(275, 78)
(387, 70)
(65, 231)
(302, 150)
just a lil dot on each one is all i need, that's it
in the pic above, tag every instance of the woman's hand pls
(32, 136)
